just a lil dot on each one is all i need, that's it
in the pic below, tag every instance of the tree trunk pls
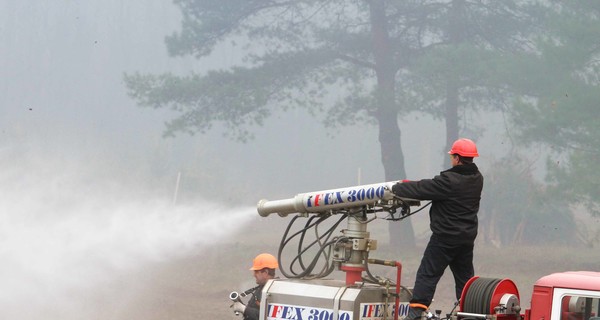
(401, 234)
(455, 35)
(451, 117)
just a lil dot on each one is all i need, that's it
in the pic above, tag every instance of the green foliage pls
(206, 23)
(240, 97)
(432, 44)
(579, 180)
(517, 209)
(472, 71)
(563, 112)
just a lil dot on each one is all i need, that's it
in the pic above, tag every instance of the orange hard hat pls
(264, 260)
(465, 148)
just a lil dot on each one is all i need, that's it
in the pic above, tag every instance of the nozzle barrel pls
(326, 200)
(281, 207)
(234, 296)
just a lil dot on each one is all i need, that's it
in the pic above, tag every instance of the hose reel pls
(488, 296)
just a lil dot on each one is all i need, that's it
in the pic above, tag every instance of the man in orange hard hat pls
(455, 194)
(263, 266)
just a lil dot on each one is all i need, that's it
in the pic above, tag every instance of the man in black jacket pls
(454, 195)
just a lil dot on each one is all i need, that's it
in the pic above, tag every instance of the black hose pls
(479, 295)
(322, 240)
(408, 214)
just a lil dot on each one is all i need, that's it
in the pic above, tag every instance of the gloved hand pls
(239, 307)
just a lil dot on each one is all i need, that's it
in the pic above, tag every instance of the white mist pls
(67, 228)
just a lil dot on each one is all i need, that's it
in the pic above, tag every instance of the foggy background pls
(88, 183)
(89, 188)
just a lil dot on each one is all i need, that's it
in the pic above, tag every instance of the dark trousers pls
(437, 257)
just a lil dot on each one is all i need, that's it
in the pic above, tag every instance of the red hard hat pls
(465, 148)
(264, 260)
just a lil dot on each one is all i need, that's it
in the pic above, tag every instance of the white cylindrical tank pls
(325, 200)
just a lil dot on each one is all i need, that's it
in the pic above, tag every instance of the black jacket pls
(455, 195)
(252, 311)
